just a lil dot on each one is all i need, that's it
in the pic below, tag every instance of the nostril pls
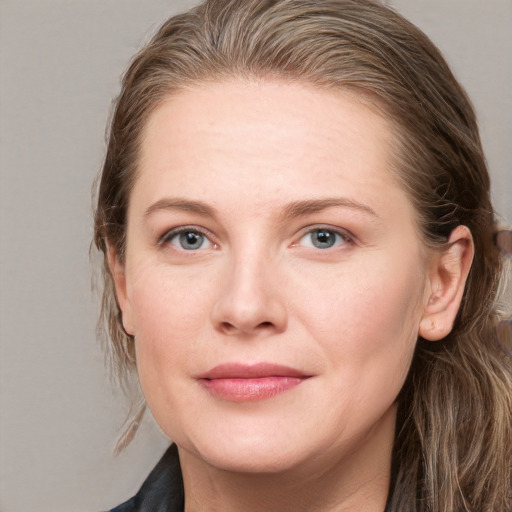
(227, 327)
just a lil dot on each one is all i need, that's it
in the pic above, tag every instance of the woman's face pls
(274, 279)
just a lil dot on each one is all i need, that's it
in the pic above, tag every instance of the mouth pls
(237, 382)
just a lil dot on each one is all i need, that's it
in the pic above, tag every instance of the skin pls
(246, 165)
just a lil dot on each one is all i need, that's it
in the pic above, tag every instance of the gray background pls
(60, 63)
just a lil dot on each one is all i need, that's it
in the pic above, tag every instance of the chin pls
(246, 453)
(252, 460)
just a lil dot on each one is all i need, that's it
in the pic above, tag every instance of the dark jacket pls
(163, 489)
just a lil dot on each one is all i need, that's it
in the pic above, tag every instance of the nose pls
(250, 300)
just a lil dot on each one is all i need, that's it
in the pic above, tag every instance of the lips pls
(246, 383)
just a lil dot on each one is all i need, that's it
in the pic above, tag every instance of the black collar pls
(163, 489)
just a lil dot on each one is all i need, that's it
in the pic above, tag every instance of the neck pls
(358, 480)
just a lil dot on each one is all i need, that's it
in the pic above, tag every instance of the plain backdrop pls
(60, 62)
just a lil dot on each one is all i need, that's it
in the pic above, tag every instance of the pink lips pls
(247, 383)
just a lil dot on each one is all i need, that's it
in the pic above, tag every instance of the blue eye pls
(323, 238)
(188, 240)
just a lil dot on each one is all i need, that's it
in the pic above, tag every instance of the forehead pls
(266, 141)
(280, 110)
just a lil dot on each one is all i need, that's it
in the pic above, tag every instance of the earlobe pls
(117, 271)
(447, 279)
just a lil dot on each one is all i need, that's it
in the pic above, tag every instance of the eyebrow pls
(293, 209)
(181, 204)
(301, 208)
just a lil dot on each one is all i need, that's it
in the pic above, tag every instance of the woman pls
(299, 264)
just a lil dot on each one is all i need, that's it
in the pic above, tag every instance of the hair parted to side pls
(453, 443)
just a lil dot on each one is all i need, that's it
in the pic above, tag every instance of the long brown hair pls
(453, 443)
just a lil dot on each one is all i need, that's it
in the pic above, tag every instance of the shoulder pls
(127, 506)
(162, 491)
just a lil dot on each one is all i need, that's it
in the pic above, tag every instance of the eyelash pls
(347, 239)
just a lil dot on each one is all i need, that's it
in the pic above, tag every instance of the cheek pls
(169, 315)
(165, 301)
(366, 318)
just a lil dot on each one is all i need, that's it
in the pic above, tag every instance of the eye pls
(186, 239)
(323, 238)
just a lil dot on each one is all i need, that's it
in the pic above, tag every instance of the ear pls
(117, 270)
(447, 279)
